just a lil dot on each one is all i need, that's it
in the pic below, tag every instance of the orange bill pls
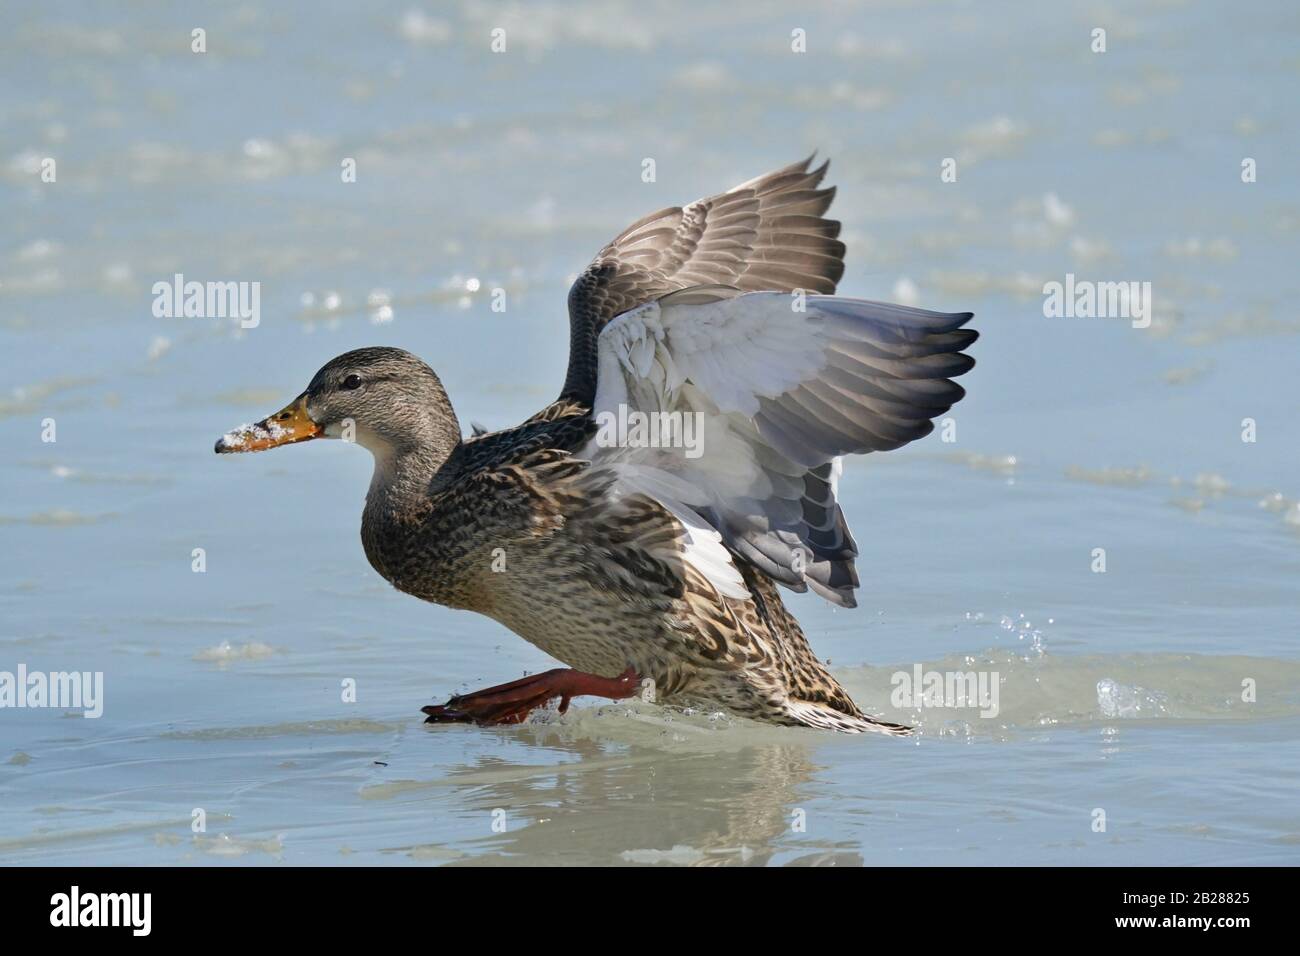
(290, 424)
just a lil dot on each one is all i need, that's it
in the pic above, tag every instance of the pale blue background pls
(514, 169)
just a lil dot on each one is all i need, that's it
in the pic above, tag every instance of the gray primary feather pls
(889, 376)
(886, 372)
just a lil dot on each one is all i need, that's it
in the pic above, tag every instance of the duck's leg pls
(511, 703)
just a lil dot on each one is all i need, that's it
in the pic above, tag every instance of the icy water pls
(1162, 693)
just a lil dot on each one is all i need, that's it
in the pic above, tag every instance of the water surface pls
(1120, 692)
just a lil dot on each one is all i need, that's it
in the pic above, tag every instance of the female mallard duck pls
(632, 552)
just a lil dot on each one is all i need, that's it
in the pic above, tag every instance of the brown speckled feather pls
(541, 541)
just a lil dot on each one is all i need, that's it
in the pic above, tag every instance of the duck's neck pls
(405, 471)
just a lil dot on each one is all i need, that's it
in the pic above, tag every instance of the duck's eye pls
(351, 382)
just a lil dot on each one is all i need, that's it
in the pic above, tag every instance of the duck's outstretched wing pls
(765, 391)
(764, 235)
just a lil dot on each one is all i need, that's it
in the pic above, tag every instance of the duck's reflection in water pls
(583, 794)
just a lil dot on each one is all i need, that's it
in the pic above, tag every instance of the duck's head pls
(384, 399)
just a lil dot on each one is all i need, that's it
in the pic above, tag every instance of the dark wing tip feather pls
(889, 375)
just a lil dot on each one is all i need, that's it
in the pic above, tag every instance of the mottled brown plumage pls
(614, 557)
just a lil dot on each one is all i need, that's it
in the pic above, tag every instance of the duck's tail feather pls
(819, 715)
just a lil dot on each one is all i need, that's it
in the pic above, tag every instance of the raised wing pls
(764, 235)
(758, 395)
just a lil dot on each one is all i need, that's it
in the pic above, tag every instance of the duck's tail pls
(813, 714)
